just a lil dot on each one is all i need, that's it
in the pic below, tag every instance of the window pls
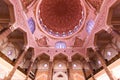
(90, 25)
(31, 25)
(60, 45)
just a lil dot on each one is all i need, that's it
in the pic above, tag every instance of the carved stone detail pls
(42, 42)
(78, 42)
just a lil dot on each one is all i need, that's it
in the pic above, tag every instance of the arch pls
(19, 37)
(77, 56)
(102, 38)
(60, 62)
(90, 52)
(7, 11)
(15, 43)
(77, 61)
(6, 15)
(93, 59)
(60, 56)
(28, 58)
(43, 56)
(113, 18)
(60, 65)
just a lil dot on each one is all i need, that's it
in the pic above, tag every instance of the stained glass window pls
(31, 25)
(90, 25)
(60, 45)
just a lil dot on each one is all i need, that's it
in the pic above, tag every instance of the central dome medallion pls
(60, 17)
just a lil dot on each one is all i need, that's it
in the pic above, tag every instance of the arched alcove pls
(114, 17)
(102, 38)
(15, 44)
(42, 66)
(6, 14)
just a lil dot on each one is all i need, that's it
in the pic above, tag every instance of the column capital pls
(95, 48)
(69, 63)
(26, 48)
(51, 58)
(87, 59)
(12, 27)
(69, 59)
(32, 60)
(109, 30)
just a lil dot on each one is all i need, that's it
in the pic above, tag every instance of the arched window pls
(60, 45)
(90, 25)
(31, 25)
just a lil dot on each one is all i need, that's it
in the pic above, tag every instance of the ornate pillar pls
(70, 70)
(4, 34)
(10, 75)
(90, 68)
(100, 57)
(35, 74)
(29, 68)
(50, 73)
(83, 70)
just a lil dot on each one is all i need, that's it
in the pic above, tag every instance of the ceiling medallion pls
(60, 18)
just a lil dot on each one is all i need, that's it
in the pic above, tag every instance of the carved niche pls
(42, 42)
(78, 42)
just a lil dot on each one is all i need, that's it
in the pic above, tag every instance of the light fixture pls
(45, 65)
(39, 11)
(60, 45)
(99, 62)
(9, 52)
(74, 65)
(60, 65)
(109, 53)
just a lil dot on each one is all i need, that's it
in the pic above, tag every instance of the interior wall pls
(5, 68)
(77, 75)
(41, 75)
(114, 68)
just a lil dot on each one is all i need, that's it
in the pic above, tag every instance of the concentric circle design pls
(60, 17)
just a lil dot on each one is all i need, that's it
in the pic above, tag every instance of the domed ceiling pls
(60, 17)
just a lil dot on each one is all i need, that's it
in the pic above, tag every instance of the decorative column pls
(100, 57)
(10, 75)
(35, 73)
(29, 68)
(70, 70)
(4, 34)
(83, 70)
(90, 68)
(50, 73)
